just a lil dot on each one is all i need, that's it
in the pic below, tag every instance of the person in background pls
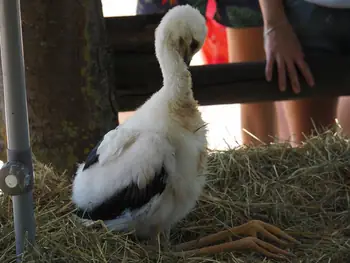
(295, 27)
(283, 30)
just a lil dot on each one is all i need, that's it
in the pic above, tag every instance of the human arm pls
(282, 46)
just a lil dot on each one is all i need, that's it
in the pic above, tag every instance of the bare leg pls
(283, 129)
(303, 115)
(344, 113)
(246, 44)
(259, 119)
(252, 228)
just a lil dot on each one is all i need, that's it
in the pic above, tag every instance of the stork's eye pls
(194, 45)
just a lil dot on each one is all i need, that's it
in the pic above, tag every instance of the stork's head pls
(182, 30)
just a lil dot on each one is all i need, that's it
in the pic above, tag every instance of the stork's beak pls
(185, 52)
(187, 57)
(188, 61)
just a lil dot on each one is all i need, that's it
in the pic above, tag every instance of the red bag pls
(214, 50)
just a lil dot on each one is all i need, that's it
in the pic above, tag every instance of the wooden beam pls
(138, 74)
(229, 83)
(132, 33)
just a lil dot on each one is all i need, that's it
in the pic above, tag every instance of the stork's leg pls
(252, 243)
(161, 240)
(251, 229)
(154, 241)
(166, 240)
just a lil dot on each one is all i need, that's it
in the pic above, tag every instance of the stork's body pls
(167, 156)
(148, 173)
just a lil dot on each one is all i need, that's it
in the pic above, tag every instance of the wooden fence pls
(138, 74)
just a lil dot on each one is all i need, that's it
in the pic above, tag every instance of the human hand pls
(282, 46)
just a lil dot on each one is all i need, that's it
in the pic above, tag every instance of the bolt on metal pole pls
(16, 176)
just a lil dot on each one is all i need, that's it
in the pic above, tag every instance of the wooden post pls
(68, 78)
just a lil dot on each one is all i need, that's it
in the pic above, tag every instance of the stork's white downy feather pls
(148, 173)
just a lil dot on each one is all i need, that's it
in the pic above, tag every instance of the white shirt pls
(331, 3)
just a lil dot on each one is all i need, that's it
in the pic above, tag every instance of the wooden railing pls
(138, 74)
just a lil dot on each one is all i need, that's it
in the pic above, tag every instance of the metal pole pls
(16, 176)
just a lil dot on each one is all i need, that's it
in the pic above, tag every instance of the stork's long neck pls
(177, 81)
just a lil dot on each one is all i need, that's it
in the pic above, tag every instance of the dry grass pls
(304, 190)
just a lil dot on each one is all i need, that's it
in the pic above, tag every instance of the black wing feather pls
(92, 157)
(131, 197)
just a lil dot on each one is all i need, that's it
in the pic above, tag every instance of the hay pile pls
(305, 190)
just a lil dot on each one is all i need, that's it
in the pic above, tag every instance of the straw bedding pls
(305, 191)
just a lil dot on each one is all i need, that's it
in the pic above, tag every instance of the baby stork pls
(147, 174)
